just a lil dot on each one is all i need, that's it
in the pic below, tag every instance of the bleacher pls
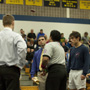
(25, 81)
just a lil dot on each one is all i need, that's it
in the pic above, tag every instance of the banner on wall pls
(34, 2)
(14, 2)
(69, 3)
(1, 1)
(52, 3)
(84, 4)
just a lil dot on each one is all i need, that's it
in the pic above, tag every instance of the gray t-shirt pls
(55, 52)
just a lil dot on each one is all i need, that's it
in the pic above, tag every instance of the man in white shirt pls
(12, 55)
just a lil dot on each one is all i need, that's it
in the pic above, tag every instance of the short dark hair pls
(21, 29)
(86, 33)
(7, 20)
(62, 33)
(55, 35)
(41, 29)
(76, 35)
(23, 35)
(42, 36)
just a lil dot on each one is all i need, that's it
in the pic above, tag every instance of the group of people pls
(32, 35)
(53, 63)
(48, 61)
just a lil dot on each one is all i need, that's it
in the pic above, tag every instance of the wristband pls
(44, 67)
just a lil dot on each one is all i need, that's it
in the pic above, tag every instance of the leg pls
(11, 78)
(52, 83)
(42, 86)
(12, 84)
(63, 82)
(56, 80)
(2, 84)
(71, 81)
(80, 84)
(42, 80)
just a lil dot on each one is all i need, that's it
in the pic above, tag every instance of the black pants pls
(57, 78)
(9, 78)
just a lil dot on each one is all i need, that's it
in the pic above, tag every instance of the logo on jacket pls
(77, 54)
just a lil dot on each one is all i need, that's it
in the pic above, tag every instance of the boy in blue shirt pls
(78, 63)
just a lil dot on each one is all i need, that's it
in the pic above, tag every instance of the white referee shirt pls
(55, 52)
(12, 48)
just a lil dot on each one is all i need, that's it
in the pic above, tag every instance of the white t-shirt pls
(55, 52)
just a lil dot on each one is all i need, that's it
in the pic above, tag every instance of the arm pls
(34, 36)
(86, 61)
(69, 61)
(34, 66)
(28, 37)
(44, 65)
(21, 51)
(46, 56)
(37, 36)
(45, 62)
(69, 64)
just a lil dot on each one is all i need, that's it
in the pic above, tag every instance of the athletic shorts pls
(75, 81)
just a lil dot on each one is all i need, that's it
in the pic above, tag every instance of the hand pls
(87, 76)
(33, 78)
(31, 61)
(43, 72)
(32, 50)
(83, 77)
(28, 49)
(26, 61)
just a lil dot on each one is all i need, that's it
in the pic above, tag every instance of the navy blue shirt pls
(79, 59)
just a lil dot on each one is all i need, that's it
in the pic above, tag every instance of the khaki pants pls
(42, 80)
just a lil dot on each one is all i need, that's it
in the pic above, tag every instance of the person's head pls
(45, 36)
(86, 34)
(41, 30)
(24, 36)
(63, 43)
(75, 37)
(8, 21)
(62, 35)
(42, 41)
(21, 31)
(32, 41)
(55, 35)
(28, 50)
(73, 31)
(31, 30)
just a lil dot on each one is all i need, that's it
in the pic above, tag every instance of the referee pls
(54, 61)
